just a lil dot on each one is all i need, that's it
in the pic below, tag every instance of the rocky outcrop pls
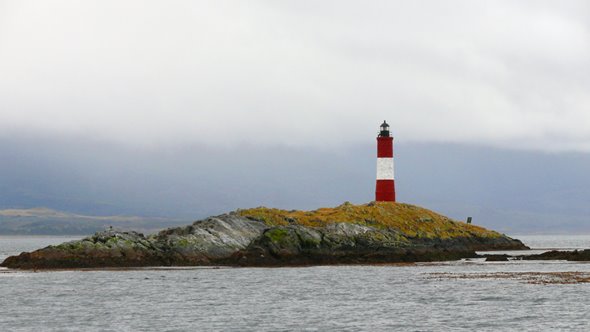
(236, 239)
(576, 255)
(208, 241)
(496, 258)
(202, 243)
(104, 249)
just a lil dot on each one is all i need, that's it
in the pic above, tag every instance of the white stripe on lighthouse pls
(385, 169)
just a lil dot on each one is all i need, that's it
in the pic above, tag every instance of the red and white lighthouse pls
(385, 189)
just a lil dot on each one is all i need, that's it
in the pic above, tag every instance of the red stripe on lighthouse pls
(385, 191)
(384, 147)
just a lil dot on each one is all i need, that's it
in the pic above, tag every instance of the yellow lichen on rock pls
(410, 220)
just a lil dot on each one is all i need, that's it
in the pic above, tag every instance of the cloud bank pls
(299, 73)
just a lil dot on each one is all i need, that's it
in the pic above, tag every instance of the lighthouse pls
(385, 188)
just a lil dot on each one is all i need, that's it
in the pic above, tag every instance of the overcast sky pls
(509, 74)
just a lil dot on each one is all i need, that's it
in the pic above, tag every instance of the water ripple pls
(420, 297)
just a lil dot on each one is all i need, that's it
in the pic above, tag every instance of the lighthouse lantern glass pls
(384, 129)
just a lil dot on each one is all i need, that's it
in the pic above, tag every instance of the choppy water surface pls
(465, 295)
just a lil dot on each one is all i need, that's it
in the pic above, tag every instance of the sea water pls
(467, 295)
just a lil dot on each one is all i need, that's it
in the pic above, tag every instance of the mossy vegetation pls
(183, 242)
(410, 220)
(277, 234)
(72, 245)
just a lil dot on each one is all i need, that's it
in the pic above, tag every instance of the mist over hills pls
(507, 190)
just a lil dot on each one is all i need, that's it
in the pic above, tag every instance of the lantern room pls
(384, 130)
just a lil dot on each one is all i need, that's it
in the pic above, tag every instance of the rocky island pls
(378, 232)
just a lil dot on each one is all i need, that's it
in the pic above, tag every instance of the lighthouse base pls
(385, 191)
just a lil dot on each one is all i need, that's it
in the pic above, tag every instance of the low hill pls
(410, 220)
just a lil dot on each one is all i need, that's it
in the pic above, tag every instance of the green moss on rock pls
(277, 234)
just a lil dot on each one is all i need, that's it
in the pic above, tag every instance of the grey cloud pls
(298, 73)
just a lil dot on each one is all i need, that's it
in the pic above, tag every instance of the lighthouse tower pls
(385, 189)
